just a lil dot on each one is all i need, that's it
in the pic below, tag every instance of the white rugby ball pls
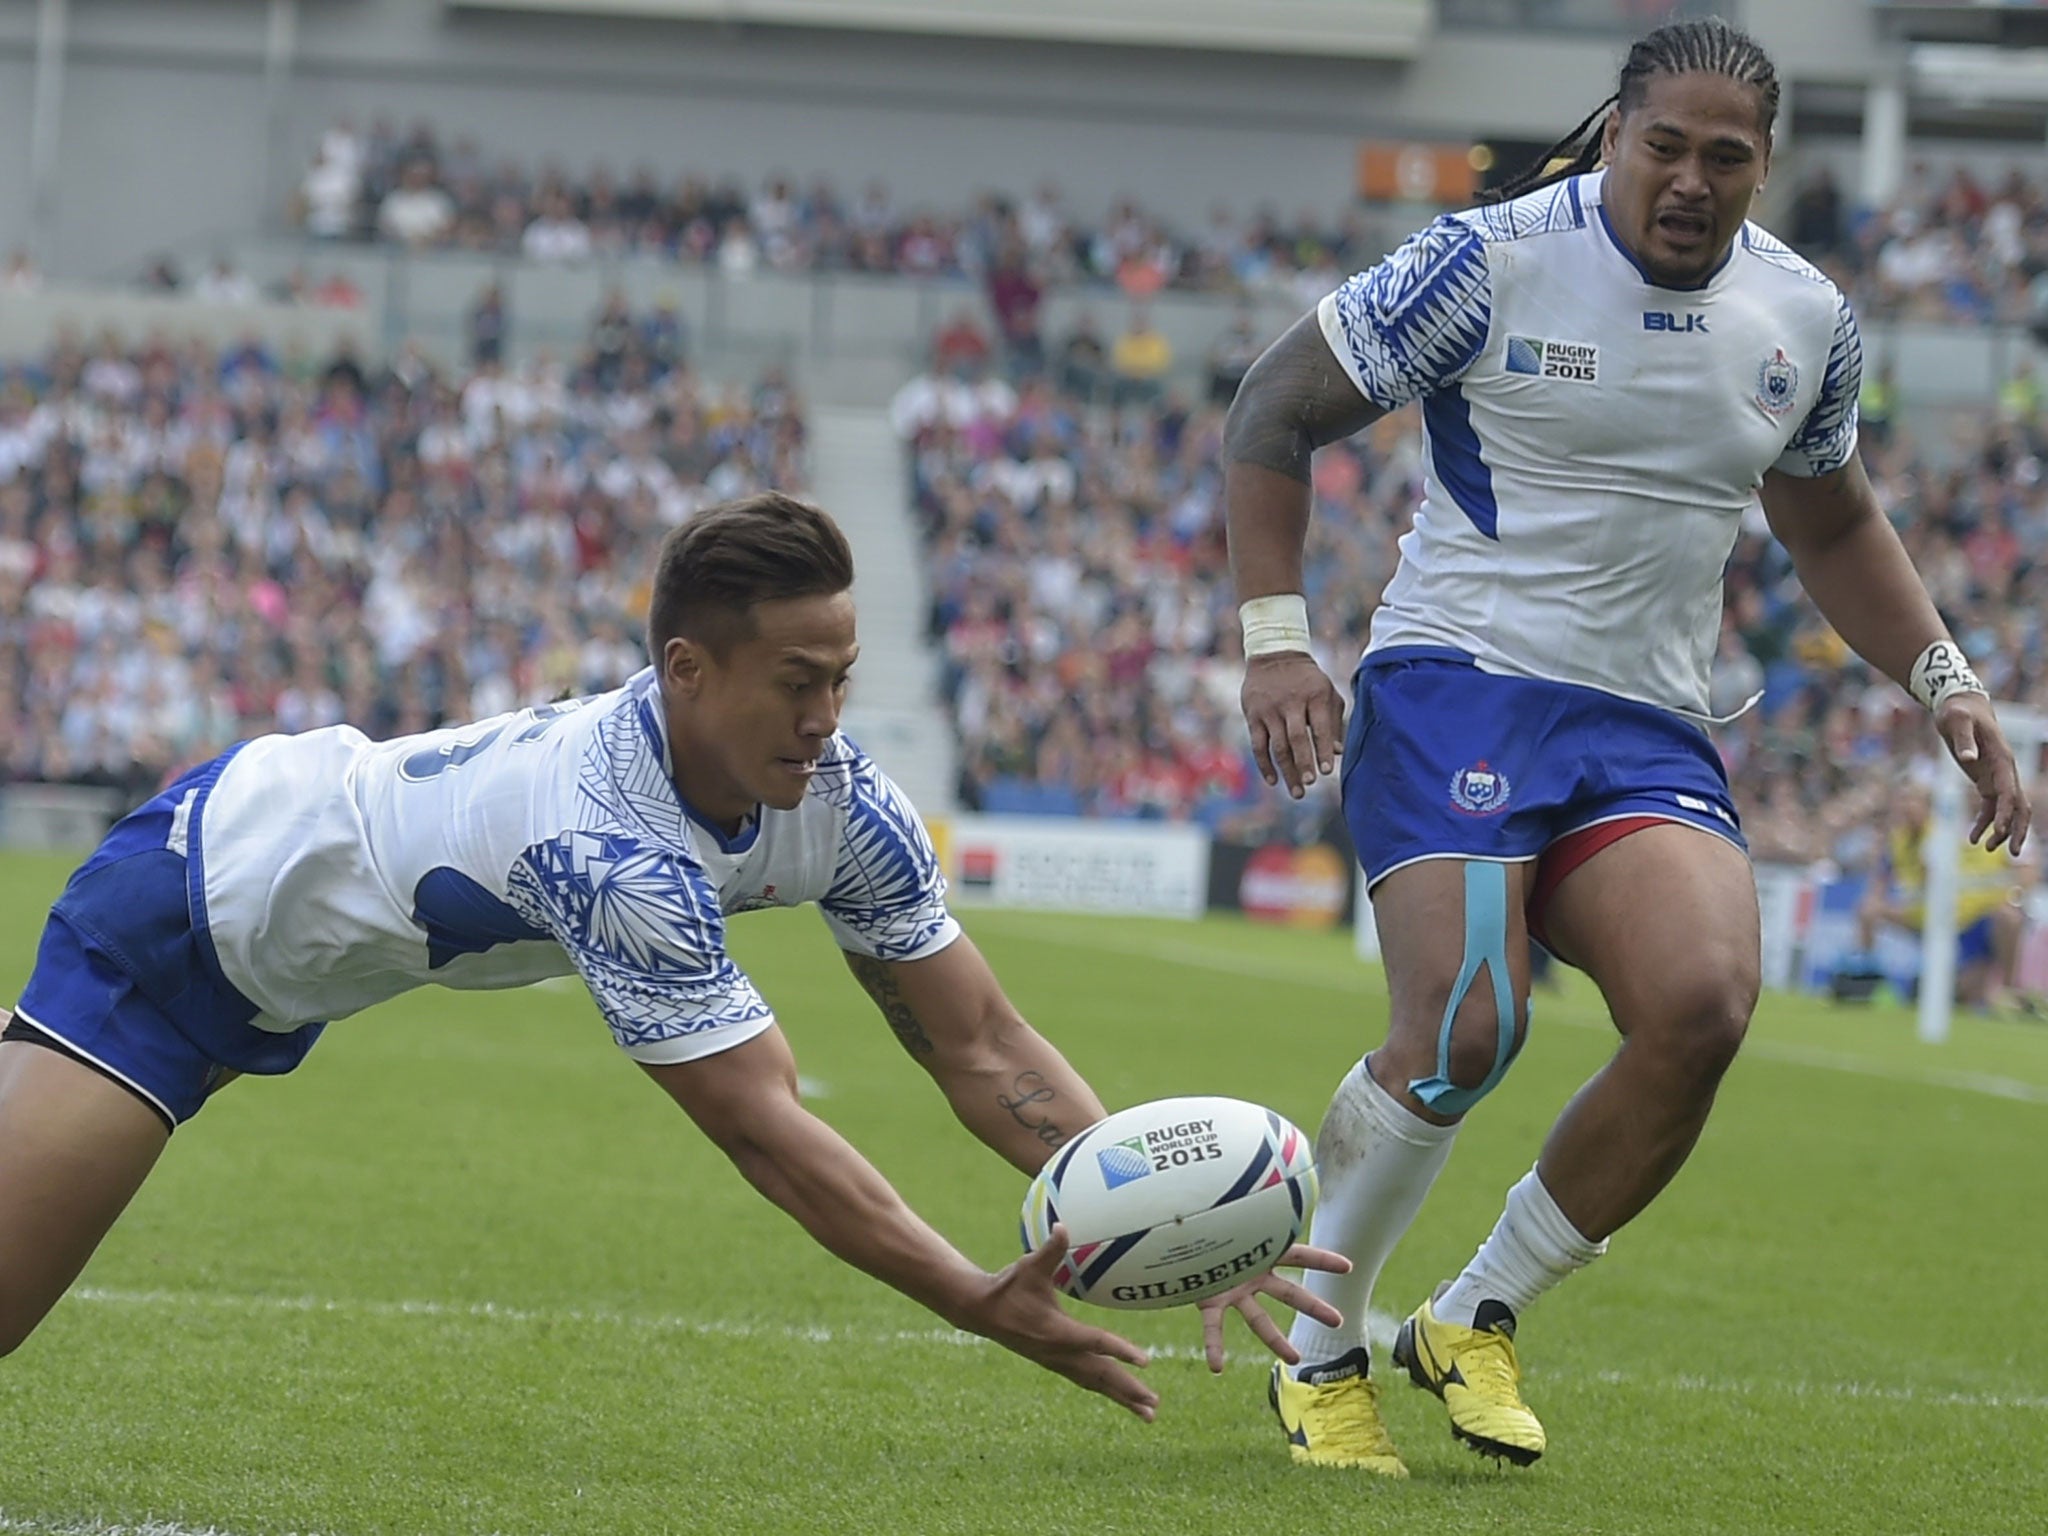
(1173, 1201)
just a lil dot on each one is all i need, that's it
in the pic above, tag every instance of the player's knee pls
(1475, 1048)
(1450, 1072)
(1705, 1017)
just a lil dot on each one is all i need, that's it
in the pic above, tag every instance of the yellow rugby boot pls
(1335, 1422)
(1475, 1372)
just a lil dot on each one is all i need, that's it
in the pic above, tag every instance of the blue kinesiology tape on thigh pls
(1486, 943)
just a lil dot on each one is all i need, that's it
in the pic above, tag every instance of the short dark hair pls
(1709, 46)
(712, 570)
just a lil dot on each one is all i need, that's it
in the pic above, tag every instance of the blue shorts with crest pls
(1442, 760)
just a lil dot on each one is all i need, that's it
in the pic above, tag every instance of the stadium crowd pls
(1950, 247)
(414, 189)
(197, 546)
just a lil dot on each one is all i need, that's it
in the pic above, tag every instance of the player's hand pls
(1968, 726)
(1296, 717)
(1287, 1292)
(1021, 1311)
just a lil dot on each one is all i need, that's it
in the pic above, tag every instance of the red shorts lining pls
(1567, 854)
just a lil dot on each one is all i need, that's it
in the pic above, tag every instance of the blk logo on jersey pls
(1777, 384)
(1682, 325)
(1480, 790)
(1536, 359)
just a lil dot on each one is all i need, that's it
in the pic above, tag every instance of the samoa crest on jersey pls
(1777, 384)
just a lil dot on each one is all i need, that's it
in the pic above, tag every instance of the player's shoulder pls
(873, 812)
(848, 779)
(1451, 256)
(1797, 280)
(1559, 209)
(1768, 251)
(622, 752)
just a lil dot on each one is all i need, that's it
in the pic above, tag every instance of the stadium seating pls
(197, 545)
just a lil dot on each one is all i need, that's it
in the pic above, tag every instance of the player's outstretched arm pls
(1005, 1081)
(1296, 398)
(745, 1100)
(1860, 577)
(1016, 1092)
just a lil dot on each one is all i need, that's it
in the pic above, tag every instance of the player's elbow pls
(1264, 428)
(980, 1051)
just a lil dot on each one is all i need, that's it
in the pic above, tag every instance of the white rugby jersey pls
(1593, 439)
(332, 872)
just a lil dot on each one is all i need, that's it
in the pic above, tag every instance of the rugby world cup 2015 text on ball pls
(1176, 1146)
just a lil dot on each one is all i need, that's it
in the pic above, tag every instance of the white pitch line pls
(26, 1527)
(1382, 1329)
(1987, 1084)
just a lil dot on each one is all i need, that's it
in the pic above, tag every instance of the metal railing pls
(871, 320)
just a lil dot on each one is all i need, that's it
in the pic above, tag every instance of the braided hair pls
(1710, 46)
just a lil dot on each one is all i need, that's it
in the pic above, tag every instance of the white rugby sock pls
(1531, 1248)
(1374, 1161)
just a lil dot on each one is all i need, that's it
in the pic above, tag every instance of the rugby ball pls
(1173, 1201)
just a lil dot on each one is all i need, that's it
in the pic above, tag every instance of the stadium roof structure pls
(1380, 29)
(2004, 23)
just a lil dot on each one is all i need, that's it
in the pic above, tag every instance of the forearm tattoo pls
(1031, 1088)
(1295, 399)
(879, 978)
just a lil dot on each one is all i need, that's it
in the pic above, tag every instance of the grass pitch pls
(467, 1271)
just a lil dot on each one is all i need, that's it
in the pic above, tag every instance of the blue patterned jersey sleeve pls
(645, 931)
(1826, 439)
(1414, 324)
(888, 895)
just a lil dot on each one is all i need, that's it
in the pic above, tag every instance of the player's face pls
(1684, 165)
(747, 726)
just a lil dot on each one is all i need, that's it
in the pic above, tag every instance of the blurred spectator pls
(960, 343)
(160, 274)
(557, 234)
(328, 195)
(221, 283)
(1231, 358)
(1139, 360)
(1015, 295)
(1083, 366)
(1817, 216)
(416, 211)
(486, 327)
(20, 275)
(664, 338)
(954, 397)
(2019, 398)
(1878, 402)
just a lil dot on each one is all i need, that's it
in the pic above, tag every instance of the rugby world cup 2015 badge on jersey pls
(1480, 790)
(1777, 384)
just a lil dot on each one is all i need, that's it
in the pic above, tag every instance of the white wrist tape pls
(1942, 672)
(1272, 624)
